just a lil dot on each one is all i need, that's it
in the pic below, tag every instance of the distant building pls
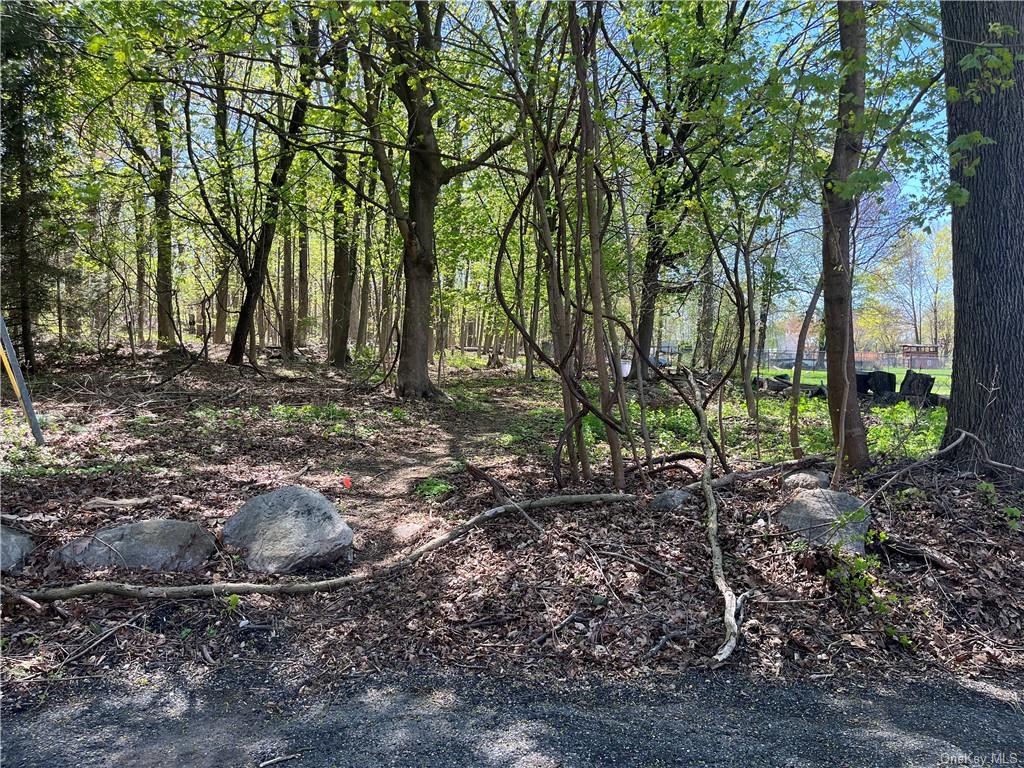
(921, 356)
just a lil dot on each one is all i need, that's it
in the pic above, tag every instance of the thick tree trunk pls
(649, 288)
(987, 396)
(418, 265)
(162, 226)
(837, 216)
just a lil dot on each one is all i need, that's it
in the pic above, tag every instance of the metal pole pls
(10, 362)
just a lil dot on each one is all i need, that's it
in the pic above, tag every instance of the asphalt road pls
(435, 721)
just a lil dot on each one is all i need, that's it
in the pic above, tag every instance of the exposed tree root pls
(143, 592)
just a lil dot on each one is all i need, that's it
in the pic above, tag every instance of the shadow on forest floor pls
(593, 594)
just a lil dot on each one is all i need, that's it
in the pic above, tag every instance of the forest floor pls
(591, 595)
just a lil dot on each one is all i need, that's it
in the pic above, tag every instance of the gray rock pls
(671, 500)
(806, 478)
(154, 545)
(288, 530)
(826, 517)
(14, 548)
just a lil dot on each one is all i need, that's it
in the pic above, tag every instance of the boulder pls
(289, 530)
(826, 517)
(153, 545)
(14, 548)
(805, 478)
(671, 500)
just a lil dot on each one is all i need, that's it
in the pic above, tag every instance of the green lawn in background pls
(942, 377)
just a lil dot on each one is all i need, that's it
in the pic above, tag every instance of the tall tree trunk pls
(364, 288)
(748, 355)
(837, 221)
(987, 396)
(255, 273)
(418, 265)
(798, 366)
(588, 130)
(704, 343)
(287, 288)
(224, 177)
(534, 317)
(141, 257)
(25, 308)
(650, 280)
(303, 303)
(162, 225)
(341, 287)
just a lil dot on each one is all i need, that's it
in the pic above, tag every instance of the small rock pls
(826, 517)
(14, 548)
(155, 545)
(671, 500)
(806, 478)
(289, 530)
(404, 532)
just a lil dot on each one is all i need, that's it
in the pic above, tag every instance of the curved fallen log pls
(214, 589)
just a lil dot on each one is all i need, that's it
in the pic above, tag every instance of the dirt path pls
(444, 722)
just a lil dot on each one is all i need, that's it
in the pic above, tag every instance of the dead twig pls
(281, 759)
(21, 598)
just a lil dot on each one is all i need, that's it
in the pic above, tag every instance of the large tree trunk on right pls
(837, 220)
(987, 396)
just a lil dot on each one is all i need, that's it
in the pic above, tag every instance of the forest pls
(348, 341)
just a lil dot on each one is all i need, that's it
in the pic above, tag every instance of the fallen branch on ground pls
(919, 551)
(754, 474)
(145, 592)
(100, 502)
(732, 615)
